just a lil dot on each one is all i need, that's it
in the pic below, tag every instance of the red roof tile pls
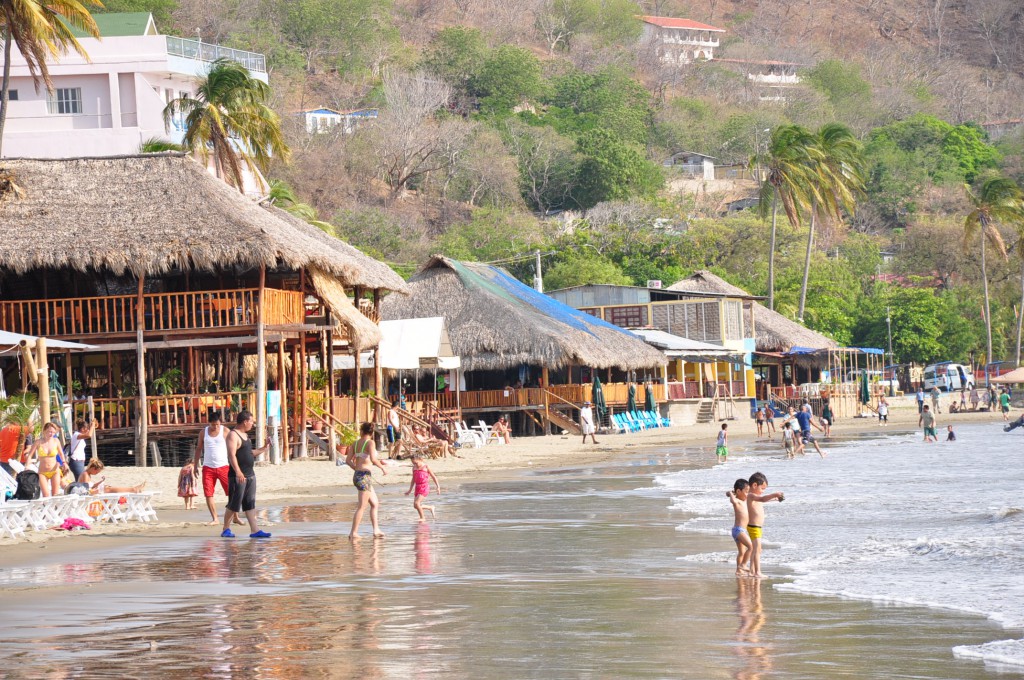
(669, 22)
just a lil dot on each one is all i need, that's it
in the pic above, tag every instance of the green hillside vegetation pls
(541, 125)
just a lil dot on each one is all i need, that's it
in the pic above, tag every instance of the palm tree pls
(840, 180)
(282, 196)
(40, 29)
(19, 410)
(1020, 310)
(998, 200)
(229, 117)
(157, 145)
(789, 165)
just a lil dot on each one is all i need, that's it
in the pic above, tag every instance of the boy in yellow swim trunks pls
(755, 517)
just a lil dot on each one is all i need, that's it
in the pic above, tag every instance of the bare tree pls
(547, 165)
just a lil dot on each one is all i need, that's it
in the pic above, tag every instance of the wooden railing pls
(614, 393)
(117, 314)
(175, 409)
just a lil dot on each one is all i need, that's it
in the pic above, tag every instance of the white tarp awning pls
(409, 344)
(9, 342)
(677, 347)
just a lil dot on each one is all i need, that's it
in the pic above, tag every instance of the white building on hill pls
(680, 41)
(322, 120)
(112, 102)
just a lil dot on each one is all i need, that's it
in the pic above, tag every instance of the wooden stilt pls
(141, 408)
(110, 375)
(43, 380)
(296, 413)
(547, 404)
(282, 384)
(261, 361)
(69, 392)
(378, 372)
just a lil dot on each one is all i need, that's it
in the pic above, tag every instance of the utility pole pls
(538, 281)
(892, 361)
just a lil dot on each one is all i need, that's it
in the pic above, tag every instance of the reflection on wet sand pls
(755, 653)
(424, 563)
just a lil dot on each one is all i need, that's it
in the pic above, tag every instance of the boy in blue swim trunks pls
(738, 498)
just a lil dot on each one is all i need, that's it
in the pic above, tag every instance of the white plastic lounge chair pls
(140, 506)
(467, 437)
(12, 520)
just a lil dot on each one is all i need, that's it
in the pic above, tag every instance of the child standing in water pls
(186, 484)
(950, 435)
(738, 498)
(755, 517)
(722, 447)
(421, 476)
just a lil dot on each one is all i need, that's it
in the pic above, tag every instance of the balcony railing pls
(117, 314)
(200, 51)
(179, 409)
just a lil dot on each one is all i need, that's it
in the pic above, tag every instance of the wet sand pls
(564, 572)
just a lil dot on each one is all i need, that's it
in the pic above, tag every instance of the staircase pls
(562, 421)
(706, 411)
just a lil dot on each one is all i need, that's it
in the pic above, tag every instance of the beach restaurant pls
(523, 354)
(192, 298)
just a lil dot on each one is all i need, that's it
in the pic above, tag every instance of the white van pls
(948, 377)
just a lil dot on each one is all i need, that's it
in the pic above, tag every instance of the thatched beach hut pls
(508, 333)
(136, 254)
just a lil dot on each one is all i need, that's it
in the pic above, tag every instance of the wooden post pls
(296, 413)
(378, 372)
(92, 418)
(359, 385)
(547, 405)
(141, 410)
(110, 376)
(303, 379)
(43, 380)
(282, 384)
(261, 361)
(67, 372)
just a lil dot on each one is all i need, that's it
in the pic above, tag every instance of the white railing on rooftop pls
(201, 51)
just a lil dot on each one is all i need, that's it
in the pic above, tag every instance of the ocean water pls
(888, 520)
(617, 570)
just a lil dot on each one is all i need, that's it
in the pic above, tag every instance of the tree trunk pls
(1020, 316)
(4, 86)
(984, 280)
(807, 262)
(771, 252)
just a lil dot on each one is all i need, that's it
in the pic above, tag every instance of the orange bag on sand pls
(9, 437)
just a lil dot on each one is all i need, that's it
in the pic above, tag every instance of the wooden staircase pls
(706, 411)
(561, 421)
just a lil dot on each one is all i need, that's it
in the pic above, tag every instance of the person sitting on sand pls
(738, 499)
(98, 485)
(420, 436)
(362, 457)
(502, 429)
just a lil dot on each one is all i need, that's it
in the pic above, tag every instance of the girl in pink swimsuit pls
(421, 476)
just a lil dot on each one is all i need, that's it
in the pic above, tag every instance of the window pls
(627, 317)
(12, 95)
(65, 100)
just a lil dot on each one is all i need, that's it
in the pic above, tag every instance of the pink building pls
(112, 102)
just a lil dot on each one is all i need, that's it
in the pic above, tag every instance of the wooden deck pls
(174, 411)
(116, 315)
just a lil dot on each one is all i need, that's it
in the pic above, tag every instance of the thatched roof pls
(150, 213)
(496, 322)
(773, 332)
(362, 332)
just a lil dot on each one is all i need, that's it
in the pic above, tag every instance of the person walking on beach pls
(927, 421)
(212, 450)
(1004, 404)
(935, 399)
(362, 457)
(759, 419)
(242, 482)
(738, 499)
(806, 422)
(827, 418)
(769, 420)
(722, 445)
(187, 484)
(587, 422)
(76, 447)
(975, 398)
(421, 478)
(755, 517)
(920, 399)
(394, 431)
(883, 412)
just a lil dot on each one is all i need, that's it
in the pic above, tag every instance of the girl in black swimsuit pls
(361, 458)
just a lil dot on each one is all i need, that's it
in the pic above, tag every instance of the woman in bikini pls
(99, 485)
(45, 451)
(362, 456)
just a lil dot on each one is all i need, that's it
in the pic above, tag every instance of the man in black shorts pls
(242, 479)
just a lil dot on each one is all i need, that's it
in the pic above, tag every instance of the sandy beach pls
(321, 481)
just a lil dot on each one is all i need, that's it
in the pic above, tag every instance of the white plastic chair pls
(467, 436)
(140, 506)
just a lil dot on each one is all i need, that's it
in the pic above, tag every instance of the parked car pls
(948, 376)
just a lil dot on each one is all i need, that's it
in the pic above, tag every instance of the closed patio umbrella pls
(631, 399)
(649, 404)
(597, 396)
(865, 393)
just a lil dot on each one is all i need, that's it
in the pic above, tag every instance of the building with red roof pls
(680, 41)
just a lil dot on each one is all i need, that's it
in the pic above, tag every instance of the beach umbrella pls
(631, 399)
(597, 397)
(649, 404)
(865, 393)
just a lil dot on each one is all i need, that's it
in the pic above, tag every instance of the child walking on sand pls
(722, 447)
(186, 484)
(755, 517)
(421, 477)
(738, 498)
